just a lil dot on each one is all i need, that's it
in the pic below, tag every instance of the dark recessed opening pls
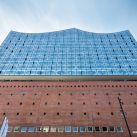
(58, 113)
(47, 94)
(71, 103)
(83, 103)
(71, 94)
(4, 114)
(31, 113)
(33, 103)
(98, 113)
(85, 113)
(8, 103)
(96, 103)
(106, 94)
(46, 103)
(20, 103)
(58, 103)
(17, 114)
(71, 113)
(59, 94)
(44, 113)
(112, 113)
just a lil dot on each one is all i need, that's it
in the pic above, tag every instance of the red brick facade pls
(88, 103)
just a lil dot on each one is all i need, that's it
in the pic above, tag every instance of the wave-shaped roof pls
(70, 52)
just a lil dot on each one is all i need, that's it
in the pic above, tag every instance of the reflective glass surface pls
(68, 52)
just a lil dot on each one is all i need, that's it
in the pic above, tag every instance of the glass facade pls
(68, 52)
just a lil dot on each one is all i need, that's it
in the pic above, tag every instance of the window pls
(10, 129)
(38, 129)
(67, 129)
(60, 129)
(75, 129)
(24, 129)
(31, 129)
(105, 129)
(97, 129)
(53, 129)
(16, 129)
(89, 129)
(119, 129)
(111, 128)
(82, 129)
(46, 129)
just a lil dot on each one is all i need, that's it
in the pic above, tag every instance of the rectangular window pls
(38, 129)
(97, 129)
(31, 129)
(75, 129)
(90, 129)
(60, 129)
(46, 129)
(104, 129)
(119, 129)
(24, 129)
(16, 129)
(111, 128)
(10, 129)
(53, 129)
(67, 129)
(82, 129)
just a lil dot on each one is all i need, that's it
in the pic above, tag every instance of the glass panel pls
(82, 129)
(97, 129)
(104, 129)
(24, 129)
(16, 129)
(31, 129)
(38, 129)
(112, 128)
(10, 129)
(68, 129)
(46, 129)
(53, 129)
(61, 129)
(89, 129)
(119, 129)
(75, 129)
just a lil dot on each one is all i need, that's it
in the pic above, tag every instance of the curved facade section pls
(70, 52)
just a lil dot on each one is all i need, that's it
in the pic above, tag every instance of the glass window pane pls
(53, 129)
(104, 129)
(68, 129)
(24, 129)
(75, 129)
(31, 129)
(46, 129)
(38, 129)
(61, 129)
(10, 129)
(112, 128)
(16, 129)
(97, 129)
(82, 129)
(119, 129)
(89, 129)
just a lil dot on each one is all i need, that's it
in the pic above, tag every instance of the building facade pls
(69, 83)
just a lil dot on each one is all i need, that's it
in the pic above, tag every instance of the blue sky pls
(51, 15)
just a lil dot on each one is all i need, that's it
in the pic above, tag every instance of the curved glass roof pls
(69, 52)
